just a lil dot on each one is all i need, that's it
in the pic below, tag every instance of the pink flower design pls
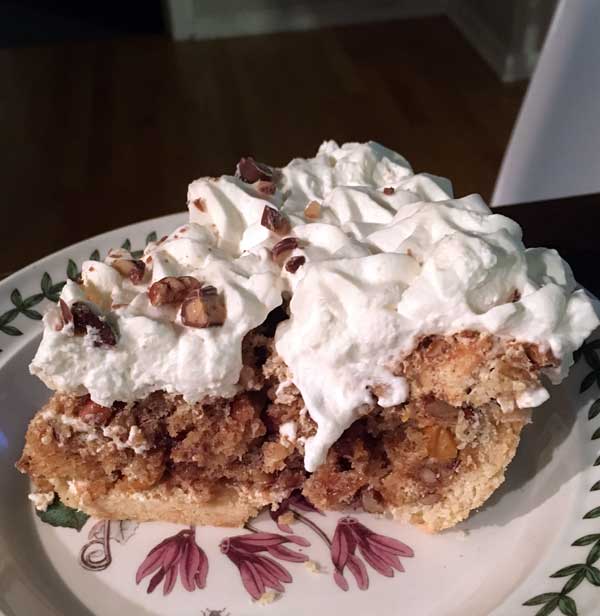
(379, 551)
(176, 554)
(295, 501)
(261, 572)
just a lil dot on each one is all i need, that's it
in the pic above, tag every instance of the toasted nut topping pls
(442, 410)
(265, 187)
(515, 296)
(511, 371)
(200, 204)
(371, 502)
(441, 444)
(426, 475)
(287, 244)
(203, 307)
(94, 414)
(431, 499)
(388, 190)
(171, 289)
(273, 220)
(249, 171)
(294, 263)
(313, 210)
(539, 358)
(65, 311)
(133, 269)
(84, 317)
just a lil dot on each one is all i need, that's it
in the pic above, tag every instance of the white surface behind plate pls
(553, 151)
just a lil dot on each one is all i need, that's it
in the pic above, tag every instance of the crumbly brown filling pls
(391, 457)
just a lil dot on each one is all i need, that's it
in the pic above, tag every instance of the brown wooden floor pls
(101, 134)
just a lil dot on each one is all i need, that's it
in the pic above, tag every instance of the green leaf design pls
(9, 330)
(577, 573)
(72, 271)
(587, 382)
(33, 314)
(586, 539)
(58, 514)
(593, 513)
(594, 554)
(126, 245)
(591, 358)
(543, 598)
(136, 254)
(33, 300)
(574, 582)
(567, 606)
(570, 570)
(548, 608)
(95, 256)
(594, 409)
(58, 287)
(576, 355)
(151, 237)
(592, 575)
(16, 298)
(8, 316)
(46, 283)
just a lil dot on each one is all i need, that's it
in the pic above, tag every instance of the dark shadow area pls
(36, 22)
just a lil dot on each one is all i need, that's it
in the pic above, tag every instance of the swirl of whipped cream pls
(155, 350)
(381, 257)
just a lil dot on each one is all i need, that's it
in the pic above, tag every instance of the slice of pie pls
(339, 326)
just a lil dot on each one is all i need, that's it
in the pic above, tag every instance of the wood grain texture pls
(101, 134)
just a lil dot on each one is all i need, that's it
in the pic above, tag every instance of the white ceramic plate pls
(536, 542)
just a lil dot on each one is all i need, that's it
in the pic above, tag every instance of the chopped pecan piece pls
(294, 263)
(515, 296)
(250, 171)
(199, 204)
(265, 187)
(94, 414)
(203, 307)
(426, 475)
(172, 289)
(441, 410)
(283, 247)
(273, 220)
(84, 317)
(388, 190)
(441, 444)
(312, 210)
(541, 359)
(133, 269)
(65, 311)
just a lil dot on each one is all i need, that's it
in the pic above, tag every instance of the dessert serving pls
(339, 326)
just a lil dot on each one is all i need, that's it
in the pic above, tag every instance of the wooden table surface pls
(99, 134)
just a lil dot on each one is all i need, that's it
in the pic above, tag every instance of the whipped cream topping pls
(381, 257)
(154, 349)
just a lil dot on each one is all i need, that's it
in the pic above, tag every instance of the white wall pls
(205, 19)
(507, 33)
